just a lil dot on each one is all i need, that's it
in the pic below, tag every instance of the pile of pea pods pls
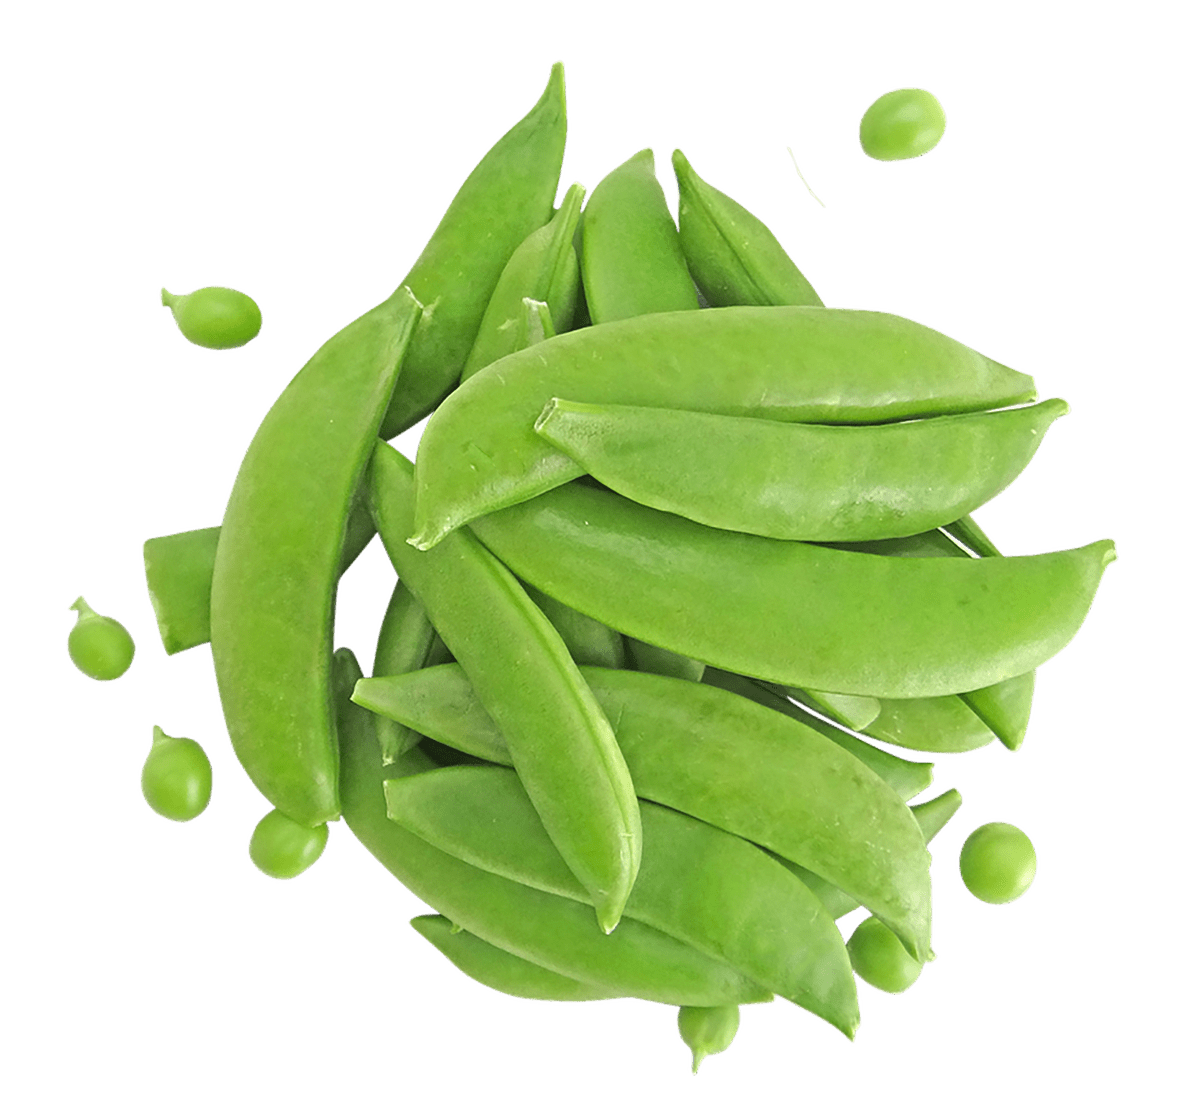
(654, 599)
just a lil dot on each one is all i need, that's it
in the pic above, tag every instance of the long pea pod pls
(562, 744)
(478, 452)
(404, 644)
(508, 195)
(277, 559)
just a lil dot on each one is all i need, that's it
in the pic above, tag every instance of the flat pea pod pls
(902, 124)
(404, 644)
(284, 849)
(630, 257)
(99, 646)
(803, 364)
(707, 1030)
(277, 559)
(797, 613)
(561, 742)
(556, 933)
(880, 959)
(786, 480)
(176, 777)
(697, 883)
(544, 267)
(732, 255)
(215, 318)
(726, 760)
(509, 194)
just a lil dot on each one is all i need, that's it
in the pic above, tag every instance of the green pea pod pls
(725, 760)
(276, 566)
(942, 723)
(630, 258)
(697, 883)
(561, 742)
(797, 613)
(539, 323)
(796, 364)
(876, 482)
(543, 267)
(404, 643)
(854, 711)
(707, 1030)
(662, 662)
(971, 535)
(731, 254)
(588, 641)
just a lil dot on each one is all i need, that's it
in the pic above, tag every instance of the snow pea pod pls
(276, 565)
(562, 744)
(797, 613)
(787, 480)
(478, 452)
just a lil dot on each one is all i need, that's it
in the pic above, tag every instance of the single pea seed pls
(282, 848)
(177, 777)
(878, 957)
(902, 125)
(100, 647)
(216, 318)
(997, 863)
(707, 1030)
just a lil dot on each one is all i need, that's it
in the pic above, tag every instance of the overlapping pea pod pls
(797, 613)
(479, 453)
(725, 760)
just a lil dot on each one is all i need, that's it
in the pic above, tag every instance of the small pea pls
(997, 863)
(100, 647)
(902, 125)
(216, 318)
(878, 957)
(707, 1030)
(282, 848)
(177, 777)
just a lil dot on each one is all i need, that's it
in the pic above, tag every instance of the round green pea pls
(878, 957)
(707, 1030)
(997, 863)
(902, 125)
(100, 647)
(282, 848)
(216, 318)
(177, 777)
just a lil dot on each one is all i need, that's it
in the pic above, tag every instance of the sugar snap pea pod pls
(543, 267)
(796, 364)
(588, 641)
(636, 961)
(405, 640)
(732, 255)
(508, 194)
(728, 761)
(500, 970)
(276, 566)
(662, 662)
(562, 744)
(630, 259)
(797, 613)
(697, 883)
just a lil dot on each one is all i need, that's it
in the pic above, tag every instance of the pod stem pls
(81, 605)
(168, 298)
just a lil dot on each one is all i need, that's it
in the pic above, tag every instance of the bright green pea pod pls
(697, 883)
(662, 662)
(796, 364)
(854, 711)
(798, 613)
(786, 480)
(588, 641)
(943, 723)
(731, 254)
(543, 267)
(500, 970)
(278, 555)
(631, 260)
(725, 760)
(559, 934)
(509, 194)
(562, 744)
(971, 535)
(1005, 708)
(404, 643)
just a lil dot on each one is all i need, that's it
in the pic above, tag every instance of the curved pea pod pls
(697, 883)
(732, 255)
(725, 760)
(787, 480)
(543, 267)
(508, 195)
(478, 452)
(798, 613)
(277, 559)
(404, 644)
(562, 744)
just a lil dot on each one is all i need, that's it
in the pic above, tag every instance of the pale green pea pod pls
(631, 260)
(731, 254)
(543, 267)
(697, 883)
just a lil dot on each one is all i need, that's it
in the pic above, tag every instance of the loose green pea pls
(282, 848)
(177, 777)
(878, 957)
(997, 863)
(100, 647)
(902, 125)
(707, 1030)
(216, 318)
